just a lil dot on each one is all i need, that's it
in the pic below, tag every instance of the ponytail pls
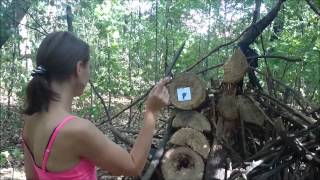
(39, 94)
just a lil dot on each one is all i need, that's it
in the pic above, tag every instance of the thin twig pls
(262, 111)
(167, 73)
(215, 50)
(289, 59)
(37, 22)
(114, 131)
(289, 88)
(129, 106)
(210, 68)
(244, 142)
(30, 27)
(306, 119)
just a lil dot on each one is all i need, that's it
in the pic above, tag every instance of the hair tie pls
(40, 70)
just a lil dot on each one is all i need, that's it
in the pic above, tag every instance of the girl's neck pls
(65, 91)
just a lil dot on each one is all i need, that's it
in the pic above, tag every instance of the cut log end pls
(192, 138)
(235, 68)
(182, 163)
(187, 91)
(191, 119)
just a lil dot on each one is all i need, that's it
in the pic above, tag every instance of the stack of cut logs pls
(188, 147)
(230, 135)
(192, 148)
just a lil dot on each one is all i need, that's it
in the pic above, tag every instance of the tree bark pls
(156, 49)
(12, 17)
(254, 31)
(313, 6)
(69, 18)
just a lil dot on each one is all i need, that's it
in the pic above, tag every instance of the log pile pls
(218, 134)
(188, 147)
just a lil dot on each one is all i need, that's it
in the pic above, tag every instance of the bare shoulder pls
(79, 124)
(86, 138)
(80, 129)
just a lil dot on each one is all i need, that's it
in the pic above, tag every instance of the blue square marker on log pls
(184, 94)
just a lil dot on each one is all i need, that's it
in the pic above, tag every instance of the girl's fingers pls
(161, 84)
(165, 96)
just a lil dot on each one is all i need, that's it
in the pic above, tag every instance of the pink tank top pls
(84, 170)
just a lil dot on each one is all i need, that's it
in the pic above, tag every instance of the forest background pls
(132, 42)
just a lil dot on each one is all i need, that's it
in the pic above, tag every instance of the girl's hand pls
(158, 96)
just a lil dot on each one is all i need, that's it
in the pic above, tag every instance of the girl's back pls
(48, 140)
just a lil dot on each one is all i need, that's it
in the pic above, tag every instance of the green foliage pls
(2, 160)
(131, 41)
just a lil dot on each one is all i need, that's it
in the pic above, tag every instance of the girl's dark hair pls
(58, 55)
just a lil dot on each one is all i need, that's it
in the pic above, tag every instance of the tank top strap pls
(52, 139)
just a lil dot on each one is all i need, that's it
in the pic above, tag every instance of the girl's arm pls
(95, 146)
(28, 166)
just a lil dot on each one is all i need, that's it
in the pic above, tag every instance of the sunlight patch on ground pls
(10, 173)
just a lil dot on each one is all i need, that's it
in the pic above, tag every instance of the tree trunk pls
(12, 17)
(156, 66)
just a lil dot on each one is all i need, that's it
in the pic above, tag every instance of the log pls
(191, 119)
(228, 107)
(182, 164)
(235, 67)
(192, 138)
(187, 91)
(228, 115)
(250, 113)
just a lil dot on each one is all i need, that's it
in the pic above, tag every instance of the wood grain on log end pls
(182, 164)
(192, 119)
(187, 91)
(192, 138)
(235, 67)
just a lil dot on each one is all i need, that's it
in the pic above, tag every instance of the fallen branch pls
(259, 108)
(289, 59)
(158, 155)
(295, 93)
(307, 119)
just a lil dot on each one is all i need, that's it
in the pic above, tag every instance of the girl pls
(61, 146)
